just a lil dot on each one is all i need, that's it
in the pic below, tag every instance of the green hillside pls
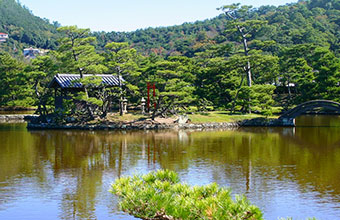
(24, 28)
(314, 21)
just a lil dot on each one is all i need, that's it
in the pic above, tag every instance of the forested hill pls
(313, 21)
(24, 28)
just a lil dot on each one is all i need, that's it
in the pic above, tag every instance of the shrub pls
(159, 195)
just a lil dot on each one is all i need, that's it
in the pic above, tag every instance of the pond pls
(67, 174)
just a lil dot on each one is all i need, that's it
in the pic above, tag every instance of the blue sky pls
(129, 15)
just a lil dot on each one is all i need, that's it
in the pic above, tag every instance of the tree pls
(77, 52)
(245, 28)
(216, 79)
(14, 89)
(122, 61)
(77, 55)
(314, 70)
(41, 72)
(174, 80)
(265, 72)
(295, 70)
(327, 74)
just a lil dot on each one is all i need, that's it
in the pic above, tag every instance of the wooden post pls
(148, 97)
(55, 99)
(154, 96)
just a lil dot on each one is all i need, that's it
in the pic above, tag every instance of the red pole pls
(148, 96)
(154, 96)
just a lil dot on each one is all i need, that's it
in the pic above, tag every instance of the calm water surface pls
(67, 174)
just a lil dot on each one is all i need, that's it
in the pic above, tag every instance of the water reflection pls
(286, 171)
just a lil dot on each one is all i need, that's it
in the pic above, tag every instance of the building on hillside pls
(31, 53)
(3, 37)
(66, 84)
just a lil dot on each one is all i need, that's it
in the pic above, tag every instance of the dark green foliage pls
(40, 73)
(14, 87)
(174, 82)
(327, 74)
(313, 70)
(216, 79)
(77, 52)
(160, 195)
(123, 62)
(262, 98)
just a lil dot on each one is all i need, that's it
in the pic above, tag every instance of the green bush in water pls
(159, 195)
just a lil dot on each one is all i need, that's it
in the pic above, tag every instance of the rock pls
(17, 118)
(182, 119)
(267, 122)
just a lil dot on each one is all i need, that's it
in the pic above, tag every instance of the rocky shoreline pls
(134, 126)
(153, 125)
(143, 125)
(17, 118)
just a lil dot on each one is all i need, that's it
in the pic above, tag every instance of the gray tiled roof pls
(68, 81)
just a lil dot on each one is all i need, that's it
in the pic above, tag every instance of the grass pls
(126, 117)
(221, 116)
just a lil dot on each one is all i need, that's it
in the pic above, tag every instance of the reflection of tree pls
(18, 159)
(259, 155)
(248, 160)
(318, 159)
(81, 158)
(288, 157)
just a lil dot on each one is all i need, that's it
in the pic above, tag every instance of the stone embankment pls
(16, 118)
(267, 122)
(159, 125)
(204, 126)
(134, 126)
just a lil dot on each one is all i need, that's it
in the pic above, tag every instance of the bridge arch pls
(303, 108)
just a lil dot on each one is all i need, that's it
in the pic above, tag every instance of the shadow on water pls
(318, 121)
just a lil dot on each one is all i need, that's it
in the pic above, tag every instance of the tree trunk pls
(121, 110)
(247, 68)
(39, 110)
(246, 50)
(236, 96)
(154, 113)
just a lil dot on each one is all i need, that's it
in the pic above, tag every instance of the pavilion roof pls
(69, 81)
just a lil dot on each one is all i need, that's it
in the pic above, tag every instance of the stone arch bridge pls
(288, 118)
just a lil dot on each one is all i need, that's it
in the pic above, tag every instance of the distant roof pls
(3, 33)
(31, 48)
(67, 81)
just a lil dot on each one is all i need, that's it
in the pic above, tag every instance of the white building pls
(3, 37)
(31, 53)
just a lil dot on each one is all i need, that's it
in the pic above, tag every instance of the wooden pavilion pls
(65, 84)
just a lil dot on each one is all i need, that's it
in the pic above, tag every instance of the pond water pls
(67, 174)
